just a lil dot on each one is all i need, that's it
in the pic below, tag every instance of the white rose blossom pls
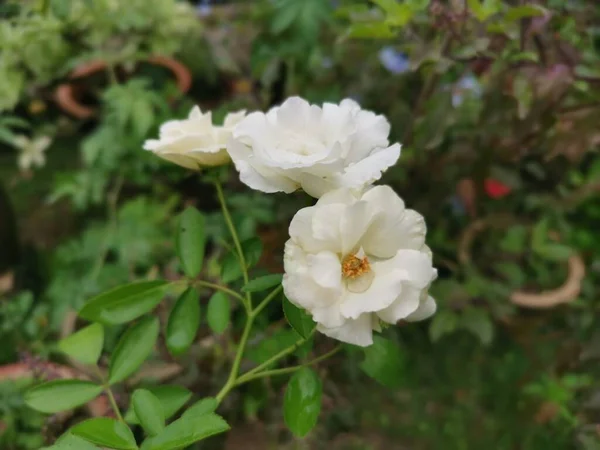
(195, 142)
(299, 145)
(355, 260)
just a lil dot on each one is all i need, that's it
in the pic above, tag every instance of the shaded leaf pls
(201, 407)
(302, 402)
(124, 303)
(183, 322)
(263, 283)
(133, 349)
(383, 362)
(219, 312)
(190, 241)
(298, 319)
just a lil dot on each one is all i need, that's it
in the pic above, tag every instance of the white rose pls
(354, 260)
(195, 142)
(299, 145)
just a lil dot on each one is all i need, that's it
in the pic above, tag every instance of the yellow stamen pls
(353, 266)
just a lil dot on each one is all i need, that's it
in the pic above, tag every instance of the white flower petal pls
(425, 310)
(371, 168)
(405, 304)
(356, 332)
(416, 267)
(395, 227)
(385, 288)
(325, 268)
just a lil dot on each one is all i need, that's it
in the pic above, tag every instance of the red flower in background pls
(495, 188)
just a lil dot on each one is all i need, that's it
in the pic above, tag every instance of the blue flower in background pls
(204, 9)
(327, 62)
(393, 60)
(469, 85)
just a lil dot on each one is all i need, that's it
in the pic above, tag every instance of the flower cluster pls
(357, 259)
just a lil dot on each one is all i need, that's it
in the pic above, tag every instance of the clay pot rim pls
(65, 92)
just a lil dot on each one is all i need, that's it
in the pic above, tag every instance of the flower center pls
(353, 266)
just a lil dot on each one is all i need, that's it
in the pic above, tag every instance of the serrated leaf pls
(171, 398)
(61, 395)
(191, 241)
(85, 345)
(185, 431)
(106, 432)
(183, 322)
(201, 407)
(124, 303)
(298, 319)
(302, 402)
(384, 362)
(133, 349)
(148, 410)
(263, 283)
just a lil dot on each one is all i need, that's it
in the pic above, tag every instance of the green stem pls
(235, 368)
(278, 356)
(113, 403)
(236, 240)
(45, 6)
(266, 301)
(267, 373)
(224, 289)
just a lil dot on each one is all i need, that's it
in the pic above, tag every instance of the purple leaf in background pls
(203, 8)
(469, 85)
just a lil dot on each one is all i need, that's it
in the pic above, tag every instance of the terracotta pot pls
(68, 95)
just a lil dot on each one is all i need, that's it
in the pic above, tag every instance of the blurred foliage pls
(481, 93)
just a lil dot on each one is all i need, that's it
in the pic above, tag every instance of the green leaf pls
(85, 345)
(124, 303)
(444, 322)
(60, 395)
(484, 9)
(183, 323)
(379, 30)
(302, 402)
(553, 251)
(299, 320)
(106, 432)
(231, 269)
(252, 249)
(201, 407)
(185, 431)
(479, 323)
(219, 312)
(524, 12)
(148, 410)
(171, 398)
(71, 442)
(133, 349)
(383, 362)
(272, 345)
(263, 283)
(191, 240)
